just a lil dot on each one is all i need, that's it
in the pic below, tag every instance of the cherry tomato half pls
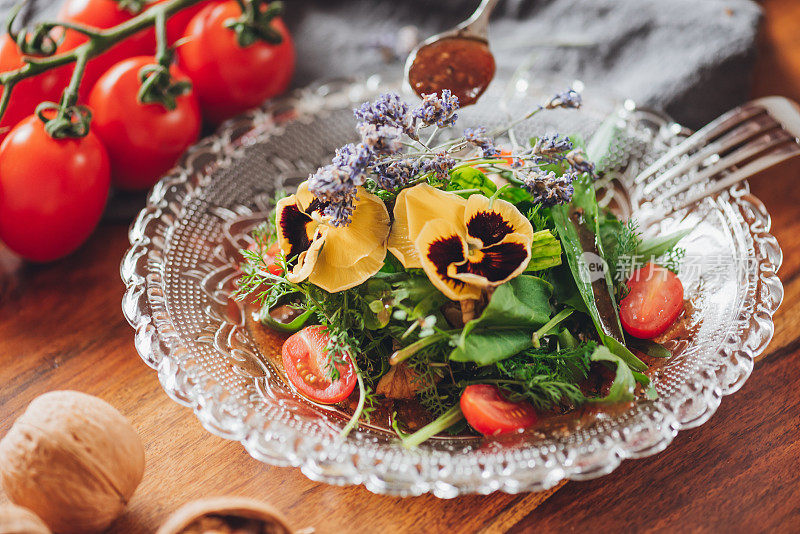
(655, 301)
(52, 191)
(230, 79)
(488, 412)
(269, 256)
(304, 359)
(102, 14)
(28, 93)
(143, 140)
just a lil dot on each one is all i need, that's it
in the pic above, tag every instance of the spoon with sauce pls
(457, 59)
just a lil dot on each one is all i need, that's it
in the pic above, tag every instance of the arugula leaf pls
(622, 388)
(505, 327)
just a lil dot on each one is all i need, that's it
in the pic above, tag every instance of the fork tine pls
(740, 134)
(784, 152)
(757, 146)
(709, 132)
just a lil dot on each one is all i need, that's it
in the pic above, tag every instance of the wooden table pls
(61, 328)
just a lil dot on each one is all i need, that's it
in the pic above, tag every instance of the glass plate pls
(182, 263)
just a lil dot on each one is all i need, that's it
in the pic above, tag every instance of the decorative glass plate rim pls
(159, 345)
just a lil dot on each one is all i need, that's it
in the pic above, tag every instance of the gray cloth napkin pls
(692, 59)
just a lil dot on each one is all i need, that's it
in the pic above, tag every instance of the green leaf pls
(651, 348)
(654, 247)
(623, 353)
(471, 178)
(602, 142)
(505, 327)
(545, 251)
(622, 388)
(606, 323)
(515, 195)
(647, 384)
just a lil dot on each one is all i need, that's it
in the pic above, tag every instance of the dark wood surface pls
(61, 328)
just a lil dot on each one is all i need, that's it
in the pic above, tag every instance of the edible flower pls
(464, 246)
(332, 257)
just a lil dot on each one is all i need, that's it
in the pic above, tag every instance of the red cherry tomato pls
(305, 358)
(654, 302)
(52, 191)
(177, 23)
(28, 93)
(102, 14)
(230, 79)
(488, 412)
(269, 257)
(143, 140)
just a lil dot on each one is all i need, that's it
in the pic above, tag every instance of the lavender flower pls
(392, 175)
(568, 99)
(355, 159)
(577, 160)
(341, 212)
(549, 189)
(439, 165)
(387, 110)
(549, 145)
(477, 137)
(384, 140)
(438, 111)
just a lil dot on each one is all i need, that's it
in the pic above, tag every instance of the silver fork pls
(730, 149)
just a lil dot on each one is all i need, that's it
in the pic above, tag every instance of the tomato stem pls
(39, 42)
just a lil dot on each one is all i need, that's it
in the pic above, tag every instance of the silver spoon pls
(458, 59)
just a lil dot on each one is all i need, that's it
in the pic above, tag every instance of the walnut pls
(19, 520)
(225, 515)
(72, 459)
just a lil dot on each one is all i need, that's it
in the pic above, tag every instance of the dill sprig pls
(546, 379)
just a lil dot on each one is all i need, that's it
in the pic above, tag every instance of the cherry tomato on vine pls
(655, 301)
(305, 359)
(143, 140)
(28, 93)
(177, 23)
(52, 191)
(102, 14)
(229, 79)
(488, 412)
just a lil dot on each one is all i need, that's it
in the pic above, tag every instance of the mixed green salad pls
(482, 283)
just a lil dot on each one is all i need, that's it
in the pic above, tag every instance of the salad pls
(455, 285)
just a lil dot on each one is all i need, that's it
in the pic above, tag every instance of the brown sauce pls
(464, 66)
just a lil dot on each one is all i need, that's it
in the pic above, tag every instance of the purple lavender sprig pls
(437, 110)
(387, 110)
(577, 160)
(569, 99)
(478, 138)
(549, 189)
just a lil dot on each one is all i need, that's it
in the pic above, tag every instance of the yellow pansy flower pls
(464, 246)
(333, 258)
